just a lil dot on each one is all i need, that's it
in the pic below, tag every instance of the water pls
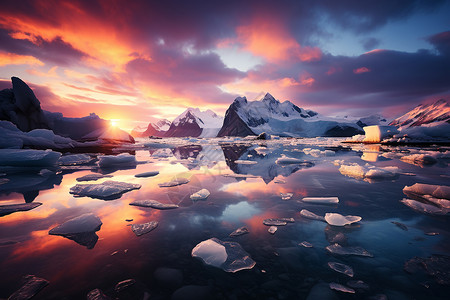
(284, 269)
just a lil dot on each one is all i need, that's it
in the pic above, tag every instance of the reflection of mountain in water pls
(29, 184)
(196, 156)
(266, 165)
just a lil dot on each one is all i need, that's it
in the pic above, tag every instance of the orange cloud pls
(361, 70)
(306, 79)
(16, 59)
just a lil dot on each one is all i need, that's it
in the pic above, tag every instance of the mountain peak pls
(269, 97)
(438, 111)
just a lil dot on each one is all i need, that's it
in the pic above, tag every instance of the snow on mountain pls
(280, 118)
(158, 129)
(195, 123)
(438, 111)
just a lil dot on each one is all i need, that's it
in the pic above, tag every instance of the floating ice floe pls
(341, 268)
(93, 177)
(286, 196)
(239, 231)
(114, 161)
(310, 215)
(306, 244)
(153, 204)
(335, 219)
(147, 174)
(140, 229)
(437, 191)
(341, 288)
(12, 208)
(339, 250)
(175, 182)
(278, 221)
(229, 256)
(32, 285)
(318, 153)
(97, 294)
(74, 159)
(321, 200)
(369, 172)
(28, 158)
(419, 159)
(203, 194)
(245, 162)
(80, 229)
(107, 190)
(423, 207)
(272, 229)
(120, 286)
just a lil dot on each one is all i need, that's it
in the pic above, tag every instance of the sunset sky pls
(137, 61)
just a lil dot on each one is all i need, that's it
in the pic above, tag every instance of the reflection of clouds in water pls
(238, 212)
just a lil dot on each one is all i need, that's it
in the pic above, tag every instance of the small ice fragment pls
(124, 284)
(419, 159)
(341, 288)
(203, 194)
(153, 204)
(97, 294)
(341, 268)
(284, 160)
(31, 287)
(114, 253)
(274, 222)
(432, 233)
(422, 207)
(11, 208)
(287, 220)
(272, 229)
(113, 161)
(339, 250)
(140, 229)
(306, 244)
(74, 159)
(229, 256)
(147, 174)
(107, 190)
(310, 215)
(175, 182)
(335, 219)
(245, 162)
(321, 200)
(400, 225)
(93, 177)
(239, 231)
(286, 196)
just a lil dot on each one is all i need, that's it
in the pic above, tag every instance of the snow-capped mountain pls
(158, 129)
(280, 118)
(195, 123)
(422, 114)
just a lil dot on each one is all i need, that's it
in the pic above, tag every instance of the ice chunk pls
(140, 229)
(203, 194)
(74, 159)
(306, 244)
(147, 174)
(175, 182)
(286, 196)
(437, 191)
(419, 159)
(245, 162)
(107, 190)
(377, 133)
(114, 161)
(80, 229)
(272, 229)
(97, 294)
(120, 286)
(310, 215)
(278, 221)
(423, 207)
(341, 268)
(321, 200)
(335, 219)
(239, 231)
(31, 287)
(339, 250)
(354, 170)
(93, 177)
(229, 256)
(368, 172)
(340, 287)
(28, 158)
(11, 208)
(153, 204)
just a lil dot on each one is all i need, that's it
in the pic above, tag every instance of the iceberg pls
(31, 287)
(114, 161)
(229, 256)
(28, 158)
(335, 219)
(140, 229)
(377, 133)
(339, 250)
(321, 200)
(421, 189)
(108, 190)
(153, 204)
(203, 194)
(341, 268)
(11, 208)
(368, 172)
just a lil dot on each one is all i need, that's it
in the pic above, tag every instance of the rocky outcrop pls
(233, 125)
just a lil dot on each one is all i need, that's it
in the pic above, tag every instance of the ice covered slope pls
(195, 123)
(280, 118)
(423, 114)
(158, 129)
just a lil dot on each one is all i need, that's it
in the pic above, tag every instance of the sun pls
(114, 122)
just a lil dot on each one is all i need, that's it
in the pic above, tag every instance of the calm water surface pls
(284, 269)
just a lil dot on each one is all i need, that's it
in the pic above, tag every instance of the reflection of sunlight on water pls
(239, 212)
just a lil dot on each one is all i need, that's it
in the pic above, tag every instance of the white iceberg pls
(377, 133)
(369, 172)
(321, 200)
(211, 252)
(107, 190)
(335, 219)
(203, 194)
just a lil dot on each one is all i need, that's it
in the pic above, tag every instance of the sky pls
(138, 61)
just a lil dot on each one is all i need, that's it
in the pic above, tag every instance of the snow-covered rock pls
(158, 129)
(195, 123)
(280, 118)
